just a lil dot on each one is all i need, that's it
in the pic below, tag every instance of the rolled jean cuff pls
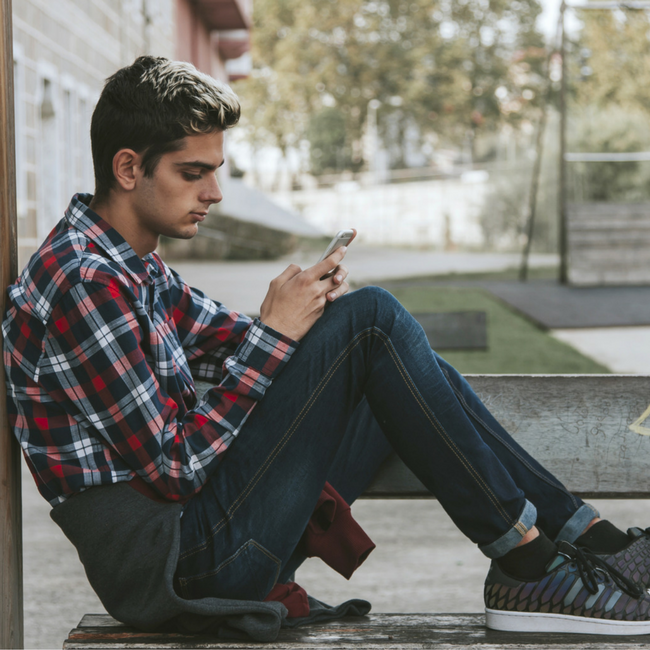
(508, 541)
(575, 526)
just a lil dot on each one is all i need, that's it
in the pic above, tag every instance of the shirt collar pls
(102, 234)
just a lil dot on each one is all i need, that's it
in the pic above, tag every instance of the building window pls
(85, 157)
(70, 182)
(19, 126)
(49, 212)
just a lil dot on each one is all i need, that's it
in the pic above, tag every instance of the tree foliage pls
(609, 111)
(610, 61)
(450, 68)
(326, 134)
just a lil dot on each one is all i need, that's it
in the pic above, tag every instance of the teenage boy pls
(103, 342)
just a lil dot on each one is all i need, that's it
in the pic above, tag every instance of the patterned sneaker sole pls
(564, 623)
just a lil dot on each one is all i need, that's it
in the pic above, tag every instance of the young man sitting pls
(193, 513)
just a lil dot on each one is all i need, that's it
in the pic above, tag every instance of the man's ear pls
(125, 166)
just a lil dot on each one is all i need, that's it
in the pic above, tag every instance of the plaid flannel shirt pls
(100, 350)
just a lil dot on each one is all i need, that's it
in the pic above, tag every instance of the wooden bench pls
(587, 429)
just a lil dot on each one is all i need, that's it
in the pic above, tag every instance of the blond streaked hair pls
(150, 106)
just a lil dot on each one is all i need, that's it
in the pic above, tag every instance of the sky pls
(549, 16)
(548, 19)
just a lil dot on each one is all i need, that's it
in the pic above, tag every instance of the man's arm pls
(296, 299)
(97, 368)
(208, 332)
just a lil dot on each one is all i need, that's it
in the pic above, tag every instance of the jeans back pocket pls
(248, 574)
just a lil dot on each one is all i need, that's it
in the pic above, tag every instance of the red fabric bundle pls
(334, 536)
(293, 597)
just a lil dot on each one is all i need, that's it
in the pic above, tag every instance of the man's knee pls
(373, 300)
(366, 307)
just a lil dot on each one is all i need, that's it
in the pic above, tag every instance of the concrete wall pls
(443, 214)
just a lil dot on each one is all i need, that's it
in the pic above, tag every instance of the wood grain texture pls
(11, 596)
(380, 631)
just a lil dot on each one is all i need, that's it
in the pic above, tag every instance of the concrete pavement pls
(624, 350)
(242, 285)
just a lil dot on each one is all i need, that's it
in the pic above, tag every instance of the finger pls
(340, 273)
(291, 271)
(334, 279)
(338, 292)
(329, 263)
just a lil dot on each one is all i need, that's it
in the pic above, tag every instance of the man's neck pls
(119, 215)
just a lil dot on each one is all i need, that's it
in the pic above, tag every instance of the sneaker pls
(634, 560)
(579, 593)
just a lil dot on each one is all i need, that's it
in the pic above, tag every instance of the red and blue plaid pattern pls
(101, 348)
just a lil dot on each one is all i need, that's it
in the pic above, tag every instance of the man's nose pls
(212, 192)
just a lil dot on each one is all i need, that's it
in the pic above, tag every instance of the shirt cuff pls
(264, 351)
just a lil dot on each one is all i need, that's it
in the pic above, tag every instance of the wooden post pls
(11, 566)
(564, 252)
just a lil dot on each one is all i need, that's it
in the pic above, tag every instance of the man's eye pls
(191, 177)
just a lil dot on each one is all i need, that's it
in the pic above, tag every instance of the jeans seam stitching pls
(279, 446)
(444, 435)
(514, 452)
(231, 559)
(480, 482)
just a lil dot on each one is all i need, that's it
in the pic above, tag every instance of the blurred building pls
(63, 52)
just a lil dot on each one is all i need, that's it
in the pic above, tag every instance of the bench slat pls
(577, 426)
(381, 631)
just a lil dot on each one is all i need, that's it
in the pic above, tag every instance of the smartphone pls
(342, 238)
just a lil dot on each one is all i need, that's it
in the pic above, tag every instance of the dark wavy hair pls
(150, 106)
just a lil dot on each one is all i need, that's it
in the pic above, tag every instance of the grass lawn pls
(515, 345)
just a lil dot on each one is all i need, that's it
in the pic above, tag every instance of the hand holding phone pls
(297, 298)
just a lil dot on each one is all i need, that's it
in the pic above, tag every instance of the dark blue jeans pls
(363, 381)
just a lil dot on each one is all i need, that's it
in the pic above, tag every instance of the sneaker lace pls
(588, 564)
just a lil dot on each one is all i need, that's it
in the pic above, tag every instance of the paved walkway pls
(243, 285)
(624, 350)
(557, 306)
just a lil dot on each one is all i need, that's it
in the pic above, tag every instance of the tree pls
(610, 60)
(609, 111)
(326, 135)
(451, 68)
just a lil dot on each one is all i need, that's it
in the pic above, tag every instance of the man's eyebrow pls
(200, 164)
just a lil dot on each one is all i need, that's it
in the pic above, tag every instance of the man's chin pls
(187, 233)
